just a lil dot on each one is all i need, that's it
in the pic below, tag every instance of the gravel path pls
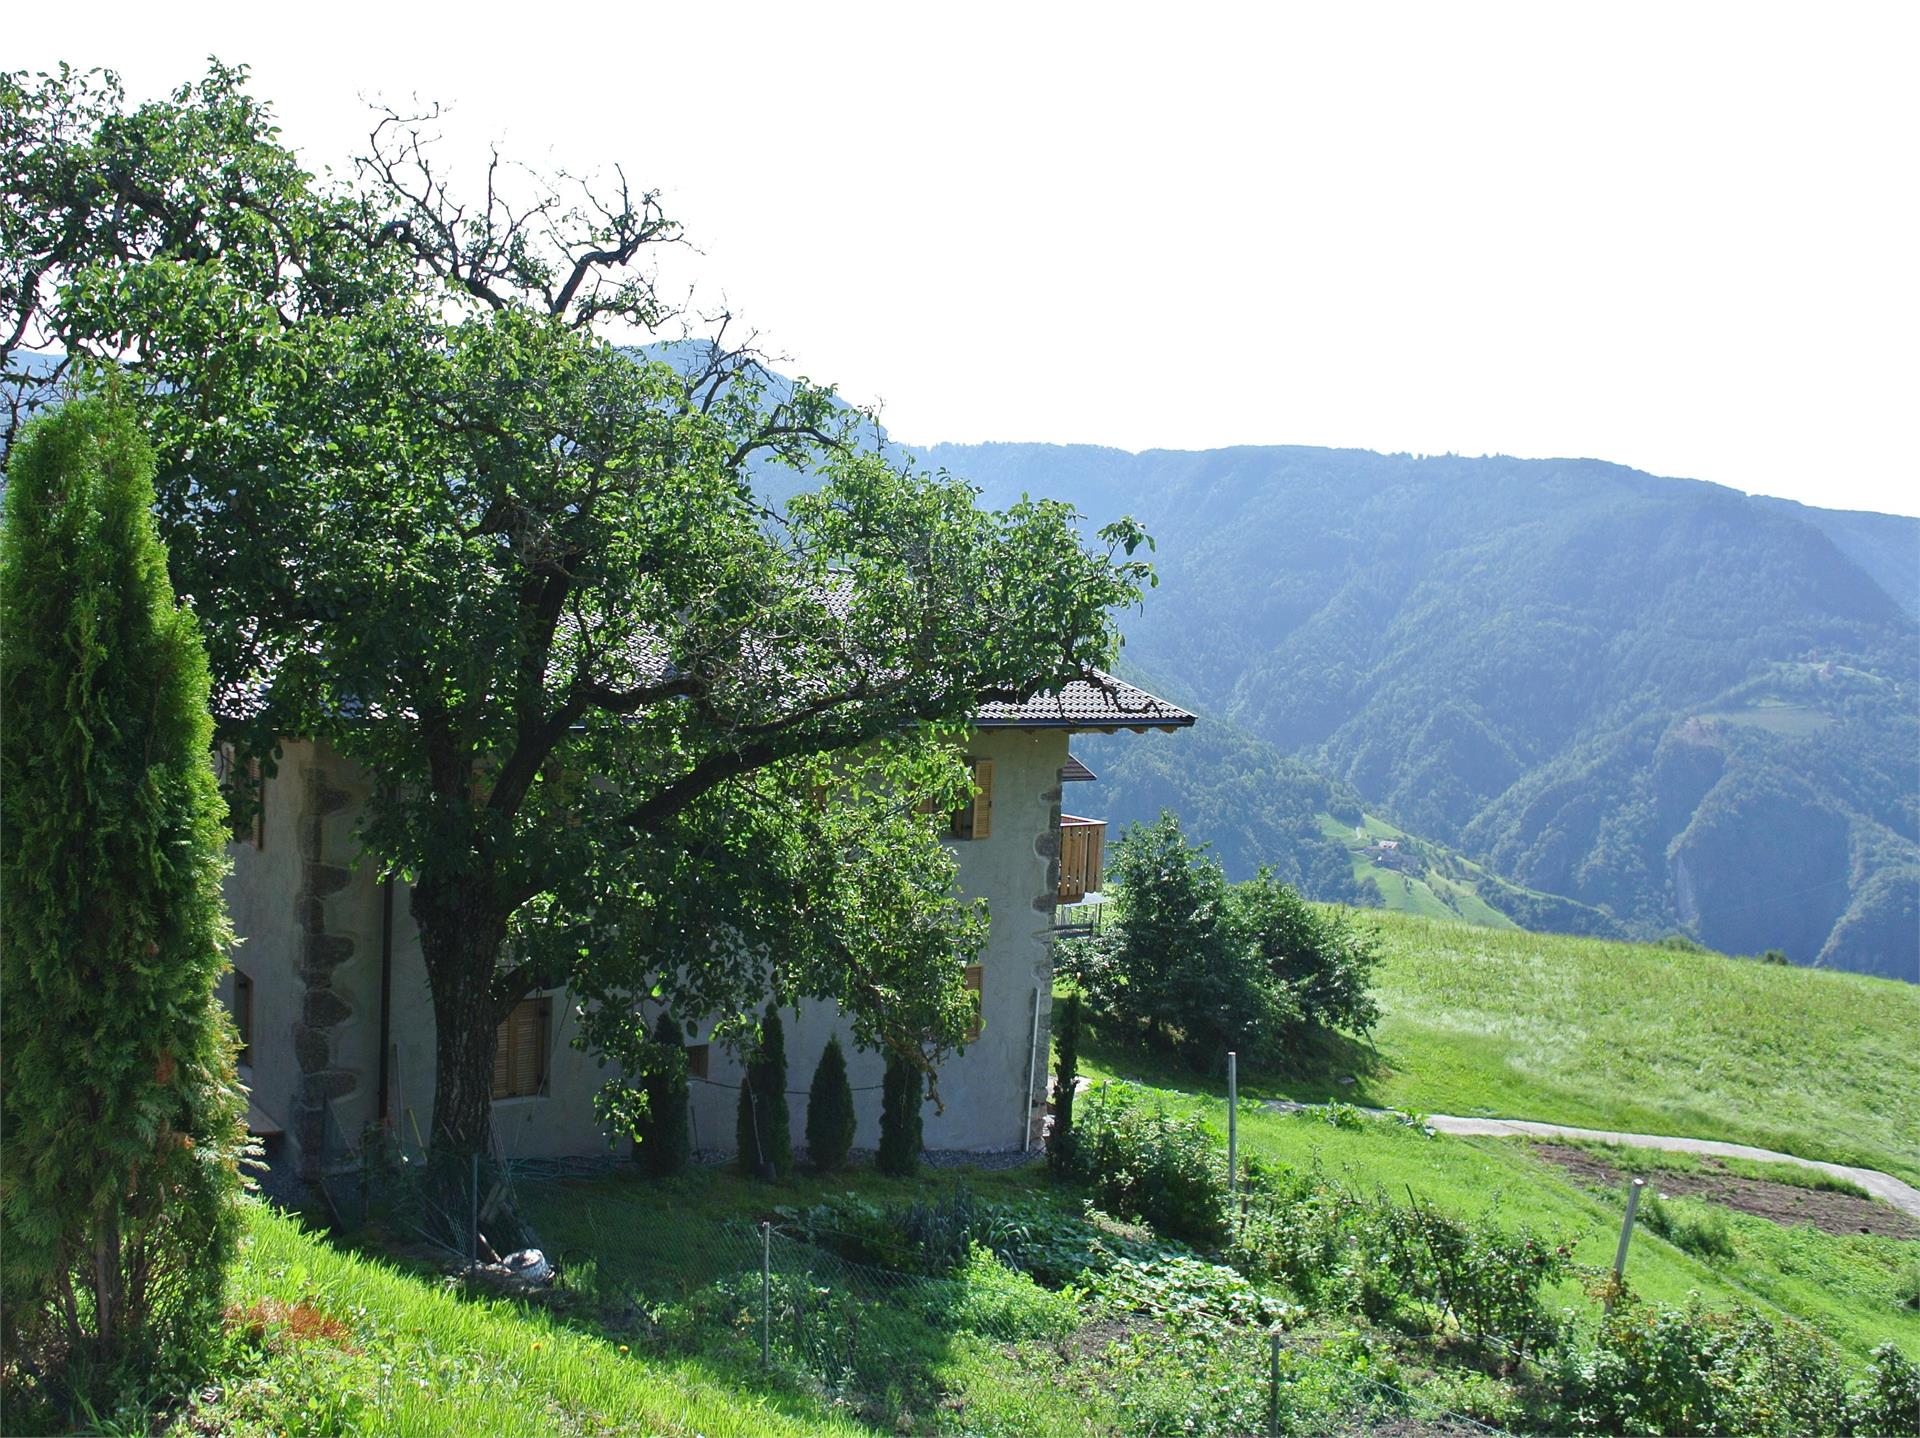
(1883, 1186)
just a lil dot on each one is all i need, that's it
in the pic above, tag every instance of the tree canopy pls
(439, 501)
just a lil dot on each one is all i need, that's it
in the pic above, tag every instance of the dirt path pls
(1883, 1186)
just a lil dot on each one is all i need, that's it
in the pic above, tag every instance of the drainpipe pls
(386, 990)
(1033, 1059)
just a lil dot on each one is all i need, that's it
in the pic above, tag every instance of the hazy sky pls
(1682, 237)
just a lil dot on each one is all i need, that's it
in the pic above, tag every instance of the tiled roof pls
(1102, 702)
(1074, 772)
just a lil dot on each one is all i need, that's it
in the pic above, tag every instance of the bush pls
(1066, 1080)
(1653, 1369)
(902, 1098)
(830, 1119)
(665, 1144)
(761, 1124)
(1699, 1228)
(988, 1297)
(1146, 1165)
(1196, 963)
(121, 1118)
(927, 1238)
(1888, 1399)
(1318, 957)
(1340, 1251)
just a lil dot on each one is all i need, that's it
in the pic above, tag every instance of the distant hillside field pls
(1504, 1023)
(1654, 697)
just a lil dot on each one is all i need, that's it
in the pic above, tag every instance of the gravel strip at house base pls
(944, 1158)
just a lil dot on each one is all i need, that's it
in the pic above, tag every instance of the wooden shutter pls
(982, 798)
(520, 1050)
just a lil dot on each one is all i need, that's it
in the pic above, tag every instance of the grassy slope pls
(1639, 1038)
(1844, 1286)
(421, 1361)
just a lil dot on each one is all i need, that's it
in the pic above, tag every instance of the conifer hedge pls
(830, 1118)
(762, 1127)
(666, 1145)
(902, 1097)
(121, 1123)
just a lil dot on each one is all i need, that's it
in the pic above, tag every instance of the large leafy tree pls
(634, 728)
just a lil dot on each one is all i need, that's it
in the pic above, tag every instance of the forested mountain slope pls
(1660, 697)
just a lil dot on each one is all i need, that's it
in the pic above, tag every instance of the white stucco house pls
(330, 991)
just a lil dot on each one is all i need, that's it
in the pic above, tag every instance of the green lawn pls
(410, 1357)
(1639, 1038)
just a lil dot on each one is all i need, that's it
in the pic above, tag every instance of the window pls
(975, 981)
(699, 1056)
(243, 1014)
(520, 1050)
(975, 820)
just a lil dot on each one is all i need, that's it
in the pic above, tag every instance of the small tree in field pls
(830, 1119)
(902, 1096)
(118, 1105)
(762, 1129)
(664, 1142)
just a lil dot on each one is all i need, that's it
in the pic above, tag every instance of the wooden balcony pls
(1082, 850)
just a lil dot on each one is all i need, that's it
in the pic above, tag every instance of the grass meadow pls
(1511, 1024)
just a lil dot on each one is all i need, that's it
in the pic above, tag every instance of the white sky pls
(1682, 237)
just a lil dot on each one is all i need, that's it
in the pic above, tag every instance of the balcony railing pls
(1082, 850)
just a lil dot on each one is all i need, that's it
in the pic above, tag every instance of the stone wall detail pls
(324, 872)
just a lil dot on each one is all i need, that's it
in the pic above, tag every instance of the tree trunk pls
(460, 941)
(460, 938)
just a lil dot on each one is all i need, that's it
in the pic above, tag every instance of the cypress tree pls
(830, 1111)
(761, 1124)
(121, 1117)
(665, 1143)
(1060, 1139)
(902, 1096)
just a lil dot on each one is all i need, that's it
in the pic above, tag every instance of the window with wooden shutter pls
(699, 1060)
(976, 990)
(975, 820)
(520, 1050)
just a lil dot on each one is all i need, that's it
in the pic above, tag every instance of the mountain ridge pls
(1621, 688)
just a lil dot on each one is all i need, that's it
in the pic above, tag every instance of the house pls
(330, 993)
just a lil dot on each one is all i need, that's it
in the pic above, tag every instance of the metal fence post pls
(1626, 1234)
(473, 1229)
(1233, 1127)
(766, 1294)
(1273, 1384)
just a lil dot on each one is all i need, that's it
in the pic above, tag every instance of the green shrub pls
(1145, 1164)
(902, 1099)
(990, 1298)
(1061, 1138)
(121, 1119)
(1656, 1369)
(761, 1125)
(1887, 1400)
(934, 1238)
(1318, 957)
(1699, 1228)
(1208, 967)
(830, 1119)
(665, 1142)
(1340, 1251)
